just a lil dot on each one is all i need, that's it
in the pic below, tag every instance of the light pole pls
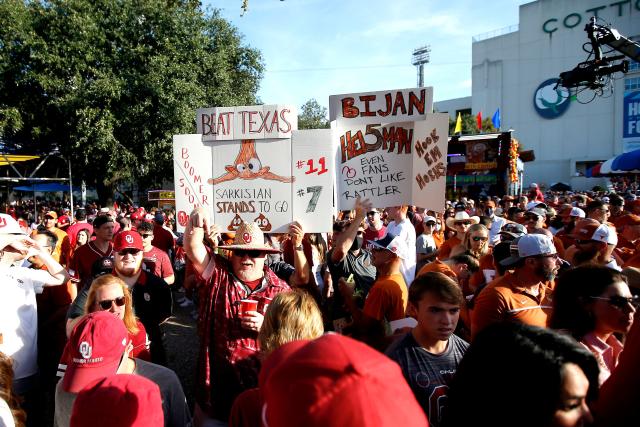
(419, 58)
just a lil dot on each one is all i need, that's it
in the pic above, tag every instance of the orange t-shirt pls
(503, 300)
(477, 278)
(559, 246)
(445, 250)
(387, 299)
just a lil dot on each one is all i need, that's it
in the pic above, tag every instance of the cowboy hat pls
(462, 216)
(249, 237)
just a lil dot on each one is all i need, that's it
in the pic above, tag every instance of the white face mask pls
(438, 227)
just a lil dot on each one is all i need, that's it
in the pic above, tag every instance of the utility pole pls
(419, 58)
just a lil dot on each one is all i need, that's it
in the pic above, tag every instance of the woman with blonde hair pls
(291, 316)
(476, 244)
(10, 412)
(110, 293)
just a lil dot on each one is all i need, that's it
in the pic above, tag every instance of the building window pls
(632, 83)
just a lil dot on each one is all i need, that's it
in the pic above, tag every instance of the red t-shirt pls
(162, 239)
(83, 259)
(370, 235)
(158, 262)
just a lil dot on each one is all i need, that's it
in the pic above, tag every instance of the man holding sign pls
(228, 358)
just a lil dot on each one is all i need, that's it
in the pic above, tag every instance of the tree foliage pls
(313, 116)
(108, 82)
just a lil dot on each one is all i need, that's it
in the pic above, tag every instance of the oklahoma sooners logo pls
(85, 349)
(128, 238)
(246, 237)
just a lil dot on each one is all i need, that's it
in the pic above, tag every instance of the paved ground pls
(181, 343)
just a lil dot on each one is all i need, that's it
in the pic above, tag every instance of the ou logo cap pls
(128, 238)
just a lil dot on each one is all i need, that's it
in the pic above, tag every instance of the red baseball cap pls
(119, 400)
(354, 386)
(96, 346)
(127, 240)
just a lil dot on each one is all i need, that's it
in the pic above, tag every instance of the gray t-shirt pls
(428, 374)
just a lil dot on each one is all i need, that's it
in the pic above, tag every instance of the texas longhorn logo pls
(247, 165)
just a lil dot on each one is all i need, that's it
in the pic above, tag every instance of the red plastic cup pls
(248, 305)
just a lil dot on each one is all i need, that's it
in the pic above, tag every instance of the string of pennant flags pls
(495, 120)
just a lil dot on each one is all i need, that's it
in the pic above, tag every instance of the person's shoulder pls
(406, 341)
(155, 372)
(458, 343)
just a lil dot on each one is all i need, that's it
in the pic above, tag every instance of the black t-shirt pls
(364, 274)
(174, 404)
(151, 297)
(428, 374)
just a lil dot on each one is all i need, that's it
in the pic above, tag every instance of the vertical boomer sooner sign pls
(391, 148)
(251, 164)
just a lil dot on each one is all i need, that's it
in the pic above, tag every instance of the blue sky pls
(317, 48)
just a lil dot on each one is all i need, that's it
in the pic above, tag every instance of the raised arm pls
(345, 239)
(300, 262)
(194, 234)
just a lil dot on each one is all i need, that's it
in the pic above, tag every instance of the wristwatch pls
(298, 248)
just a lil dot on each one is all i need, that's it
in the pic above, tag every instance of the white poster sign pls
(389, 106)
(191, 170)
(313, 170)
(245, 168)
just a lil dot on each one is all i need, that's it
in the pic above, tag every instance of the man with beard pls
(151, 296)
(524, 294)
(592, 244)
(230, 318)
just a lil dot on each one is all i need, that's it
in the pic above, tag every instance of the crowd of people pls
(498, 311)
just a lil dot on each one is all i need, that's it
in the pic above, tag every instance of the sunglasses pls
(108, 303)
(554, 256)
(583, 242)
(430, 224)
(619, 301)
(131, 251)
(250, 253)
(462, 223)
(478, 239)
(144, 236)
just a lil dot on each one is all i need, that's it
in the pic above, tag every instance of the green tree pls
(470, 126)
(313, 116)
(108, 82)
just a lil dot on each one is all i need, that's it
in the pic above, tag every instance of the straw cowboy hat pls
(462, 216)
(249, 237)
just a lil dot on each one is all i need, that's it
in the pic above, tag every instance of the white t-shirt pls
(494, 232)
(406, 231)
(19, 317)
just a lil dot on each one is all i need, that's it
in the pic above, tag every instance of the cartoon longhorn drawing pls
(248, 166)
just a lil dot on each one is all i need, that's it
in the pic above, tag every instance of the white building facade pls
(512, 71)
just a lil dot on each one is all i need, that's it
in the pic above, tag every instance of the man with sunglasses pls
(375, 227)
(155, 260)
(228, 361)
(594, 244)
(523, 295)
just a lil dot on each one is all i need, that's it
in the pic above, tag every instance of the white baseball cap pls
(529, 245)
(8, 225)
(392, 243)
